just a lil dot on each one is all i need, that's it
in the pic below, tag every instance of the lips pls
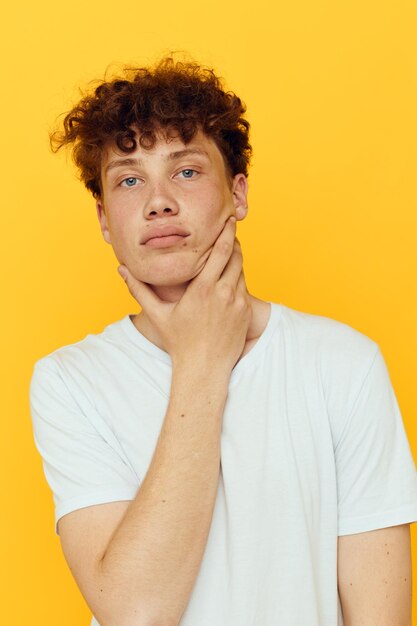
(164, 231)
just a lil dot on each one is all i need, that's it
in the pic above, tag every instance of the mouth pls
(165, 242)
(163, 231)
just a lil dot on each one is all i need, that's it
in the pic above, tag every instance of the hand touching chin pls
(202, 262)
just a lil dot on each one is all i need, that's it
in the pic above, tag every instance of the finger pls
(241, 290)
(219, 256)
(241, 284)
(233, 268)
(143, 294)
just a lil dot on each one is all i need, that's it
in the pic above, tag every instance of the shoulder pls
(327, 341)
(82, 355)
(343, 363)
(330, 355)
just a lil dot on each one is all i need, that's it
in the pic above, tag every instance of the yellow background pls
(331, 91)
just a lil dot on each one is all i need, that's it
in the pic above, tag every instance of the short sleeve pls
(376, 473)
(82, 462)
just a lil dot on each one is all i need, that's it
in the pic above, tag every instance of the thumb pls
(140, 291)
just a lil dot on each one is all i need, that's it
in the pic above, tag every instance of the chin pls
(173, 275)
(165, 277)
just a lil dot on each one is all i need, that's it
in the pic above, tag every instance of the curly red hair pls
(171, 95)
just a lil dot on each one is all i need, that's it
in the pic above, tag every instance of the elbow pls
(128, 607)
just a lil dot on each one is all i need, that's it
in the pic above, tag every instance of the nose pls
(160, 203)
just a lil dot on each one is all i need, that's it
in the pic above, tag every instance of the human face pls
(172, 184)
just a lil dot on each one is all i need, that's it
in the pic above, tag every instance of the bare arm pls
(146, 572)
(150, 565)
(374, 577)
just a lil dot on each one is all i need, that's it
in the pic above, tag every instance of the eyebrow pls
(172, 156)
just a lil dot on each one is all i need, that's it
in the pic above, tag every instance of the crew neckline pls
(246, 361)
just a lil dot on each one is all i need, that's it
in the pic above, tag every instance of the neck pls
(172, 294)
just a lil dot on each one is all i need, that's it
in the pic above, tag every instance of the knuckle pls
(225, 247)
(241, 302)
(226, 292)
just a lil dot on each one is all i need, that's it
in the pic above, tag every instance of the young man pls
(215, 460)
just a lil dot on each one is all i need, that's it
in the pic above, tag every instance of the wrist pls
(196, 370)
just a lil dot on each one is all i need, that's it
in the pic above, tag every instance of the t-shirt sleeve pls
(80, 457)
(376, 473)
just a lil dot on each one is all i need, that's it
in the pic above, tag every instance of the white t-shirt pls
(313, 446)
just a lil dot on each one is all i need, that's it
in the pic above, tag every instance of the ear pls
(240, 195)
(102, 218)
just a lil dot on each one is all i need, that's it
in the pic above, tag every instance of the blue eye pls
(130, 182)
(188, 171)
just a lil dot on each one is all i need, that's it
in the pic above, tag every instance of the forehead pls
(167, 144)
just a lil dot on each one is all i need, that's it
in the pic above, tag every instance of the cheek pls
(214, 225)
(123, 228)
(216, 212)
(124, 247)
